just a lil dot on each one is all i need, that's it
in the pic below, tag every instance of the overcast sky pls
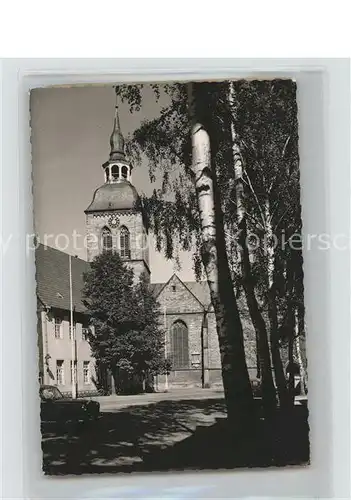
(71, 128)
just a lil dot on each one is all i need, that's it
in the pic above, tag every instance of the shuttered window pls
(125, 243)
(58, 328)
(106, 240)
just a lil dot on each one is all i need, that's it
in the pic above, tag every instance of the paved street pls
(131, 430)
(112, 403)
(173, 431)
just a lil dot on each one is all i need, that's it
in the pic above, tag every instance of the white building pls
(57, 351)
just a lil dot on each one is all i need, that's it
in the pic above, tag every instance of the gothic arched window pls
(179, 345)
(106, 240)
(115, 172)
(125, 172)
(125, 243)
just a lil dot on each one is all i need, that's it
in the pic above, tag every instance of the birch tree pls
(268, 390)
(266, 144)
(267, 124)
(213, 251)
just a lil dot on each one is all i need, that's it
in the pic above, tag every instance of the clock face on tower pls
(113, 220)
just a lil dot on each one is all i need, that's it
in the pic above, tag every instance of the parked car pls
(60, 410)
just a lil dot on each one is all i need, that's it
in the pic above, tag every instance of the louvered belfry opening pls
(179, 345)
(106, 240)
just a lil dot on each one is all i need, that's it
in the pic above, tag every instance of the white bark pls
(242, 264)
(236, 381)
(238, 173)
(201, 162)
(299, 355)
(269, 244)
(237, 159)
(272, 307)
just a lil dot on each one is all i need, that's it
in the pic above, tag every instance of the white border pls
(324, 104)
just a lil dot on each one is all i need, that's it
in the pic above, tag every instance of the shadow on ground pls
(174, 435)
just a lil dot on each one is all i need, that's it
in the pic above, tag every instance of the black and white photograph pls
(169, 277)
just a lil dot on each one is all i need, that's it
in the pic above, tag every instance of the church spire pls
(117, 139)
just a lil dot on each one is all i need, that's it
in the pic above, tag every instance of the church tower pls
(115, 219)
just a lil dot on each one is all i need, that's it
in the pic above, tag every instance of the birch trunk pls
(273, 312)
(237, 158)
(268, 389)
(262, 346)
(235, 375)
(291, 364)
(299, 356)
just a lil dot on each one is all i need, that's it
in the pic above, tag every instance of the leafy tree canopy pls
(125, 317)
(264, 113)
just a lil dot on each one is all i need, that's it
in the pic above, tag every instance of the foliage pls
(265, 117)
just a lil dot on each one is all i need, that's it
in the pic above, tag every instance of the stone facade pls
(114, 221)
(190, 303)
(179, 303)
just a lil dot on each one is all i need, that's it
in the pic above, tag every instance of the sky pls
(70, 132)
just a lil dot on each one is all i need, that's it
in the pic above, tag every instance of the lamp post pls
(166, 353)
(205, 352)
(73, 337)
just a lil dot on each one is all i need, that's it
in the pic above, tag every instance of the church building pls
(115, 221)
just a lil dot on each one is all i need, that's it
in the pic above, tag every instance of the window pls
(75, 371)
(70, 331)
(58, 328)
(125, 172)
(125, 243)
(179, 345)
(106, 240)
(173, 288)
(60, 374)
(115, 172)
(86, 372)
(85, 333)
